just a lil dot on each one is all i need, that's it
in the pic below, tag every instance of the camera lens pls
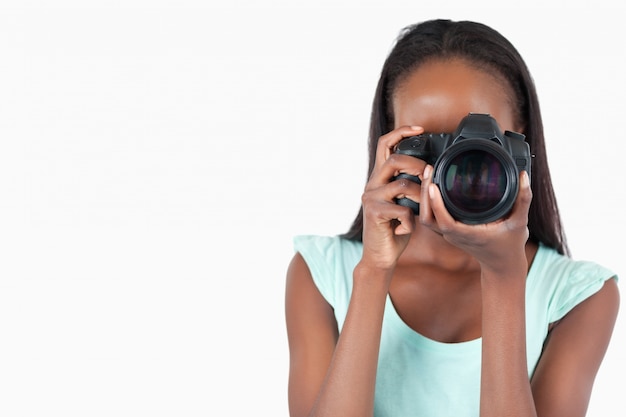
(474, 181)
(478, 180)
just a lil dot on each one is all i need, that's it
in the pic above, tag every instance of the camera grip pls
(406, 202)
(417, 147)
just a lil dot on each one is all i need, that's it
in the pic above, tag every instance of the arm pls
(573, 352)
(564, 376)
(312, 335)
(505, 389)
(500, 249)
(332, 373)
(563, 380)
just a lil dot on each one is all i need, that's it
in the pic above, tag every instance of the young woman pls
(425, 315)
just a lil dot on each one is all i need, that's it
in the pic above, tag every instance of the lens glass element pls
(475, 181)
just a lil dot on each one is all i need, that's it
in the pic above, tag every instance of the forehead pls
(438, 94)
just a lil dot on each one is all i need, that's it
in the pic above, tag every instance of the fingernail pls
(431, 190)
(427, 171)
(525, 180)
(416, 127)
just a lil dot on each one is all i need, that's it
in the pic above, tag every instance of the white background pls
(157, 157)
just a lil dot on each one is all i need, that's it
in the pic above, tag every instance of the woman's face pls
(440, 93)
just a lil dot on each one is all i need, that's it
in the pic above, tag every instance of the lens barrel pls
(478, 180)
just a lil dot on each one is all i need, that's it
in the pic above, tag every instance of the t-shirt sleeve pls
(331, 260)
(579, 280)
(317, 252)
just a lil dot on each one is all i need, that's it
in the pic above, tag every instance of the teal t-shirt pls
(418, 376)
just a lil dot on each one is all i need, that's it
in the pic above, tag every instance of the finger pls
(519, 212)
(388, 142)
(406, 226)
(426, 214)
(396, 164)
(441, 217)
(400, 188)
(388, 214)
(405, 220)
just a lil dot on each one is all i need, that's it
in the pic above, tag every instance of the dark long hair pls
(487, 49)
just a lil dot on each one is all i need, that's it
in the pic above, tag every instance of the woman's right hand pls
(387, 226)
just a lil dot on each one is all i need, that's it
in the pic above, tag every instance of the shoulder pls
(327, 246)
(582, 300)
(573, 352)
(549, 260)
(564, 282)
(324, 254)
(330, 261)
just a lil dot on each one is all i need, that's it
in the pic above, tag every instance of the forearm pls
(505, 386)
(348, 389)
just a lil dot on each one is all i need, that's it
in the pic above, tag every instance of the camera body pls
(477, 167)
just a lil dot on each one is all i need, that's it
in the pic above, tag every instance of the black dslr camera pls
(476, 168)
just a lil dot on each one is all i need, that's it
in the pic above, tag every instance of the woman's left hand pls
(499, 245)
